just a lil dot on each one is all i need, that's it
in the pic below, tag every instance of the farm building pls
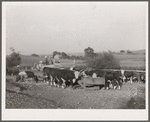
(57, 58)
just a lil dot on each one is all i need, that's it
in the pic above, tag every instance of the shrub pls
(13, 59)
(35, 55)
(89, 52)
(103, 61)
(129, 51)
(122, 51)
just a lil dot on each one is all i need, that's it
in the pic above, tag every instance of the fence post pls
(139, 77)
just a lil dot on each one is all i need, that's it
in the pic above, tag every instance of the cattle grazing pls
(142, 77)
(60, 76)
(135, 79)
(127, 76)
(114, 83)
(50, 75)
(93, 73)
(113, 77)
(68, 77)
(26, 74)
(12, 70)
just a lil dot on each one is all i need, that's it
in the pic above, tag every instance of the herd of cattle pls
(72, 77)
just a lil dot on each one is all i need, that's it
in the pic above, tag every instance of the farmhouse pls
(57, 58)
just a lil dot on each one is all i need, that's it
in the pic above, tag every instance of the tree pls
(35, 55)
(13, 59)
(110, 51)
(122, 51)
(129, 51)
(89, 52)
(103, 61)
(64, 55)
(55, 53)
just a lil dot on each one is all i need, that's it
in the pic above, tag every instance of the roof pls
(56, 56)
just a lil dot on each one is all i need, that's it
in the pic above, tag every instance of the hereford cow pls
(93, 73)
(26, 74)
(128, 76)
(142, 77)
(114, 78)
(60, 76)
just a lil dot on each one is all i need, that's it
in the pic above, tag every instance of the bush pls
(13, 59)
(129, 51)
(35, 55)
(103, 61)
(122, 51)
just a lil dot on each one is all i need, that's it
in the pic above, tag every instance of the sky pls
(71, 27)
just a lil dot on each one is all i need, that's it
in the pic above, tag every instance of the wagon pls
(90, 81)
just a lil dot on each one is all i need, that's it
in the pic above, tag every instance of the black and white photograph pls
(74, 60)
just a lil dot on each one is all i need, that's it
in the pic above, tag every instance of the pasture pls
(40, 95)
(131, 60)
(30, 60)
(127, 61)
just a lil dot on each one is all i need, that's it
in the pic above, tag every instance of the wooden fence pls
(138, 71)
(25, 68)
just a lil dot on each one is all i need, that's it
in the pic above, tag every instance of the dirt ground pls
(40, 95)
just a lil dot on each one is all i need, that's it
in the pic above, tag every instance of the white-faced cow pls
(113, 77)
(26, 74)
(93, 73)
(142, 77)
(60, 76)
(128, 76)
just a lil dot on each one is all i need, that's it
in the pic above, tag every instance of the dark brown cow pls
(114, 78)
(60, 76)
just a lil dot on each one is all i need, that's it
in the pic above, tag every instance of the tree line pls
(64, 55)
(94, 60)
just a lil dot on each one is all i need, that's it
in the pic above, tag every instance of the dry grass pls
(136, 61)
(41, 95)
(131, 60)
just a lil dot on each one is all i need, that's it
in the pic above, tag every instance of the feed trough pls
(90, 81)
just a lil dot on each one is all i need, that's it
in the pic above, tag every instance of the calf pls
(142, 77)
(93, 73)
(113, 77)
(127, 75)
(26, 74)
(115, 84)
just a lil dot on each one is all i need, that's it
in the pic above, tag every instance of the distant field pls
(131, 60)
(126, 60)
(30, 60)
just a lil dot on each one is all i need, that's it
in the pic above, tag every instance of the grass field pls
(136, 60)
(131, 60)
(42, 96)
